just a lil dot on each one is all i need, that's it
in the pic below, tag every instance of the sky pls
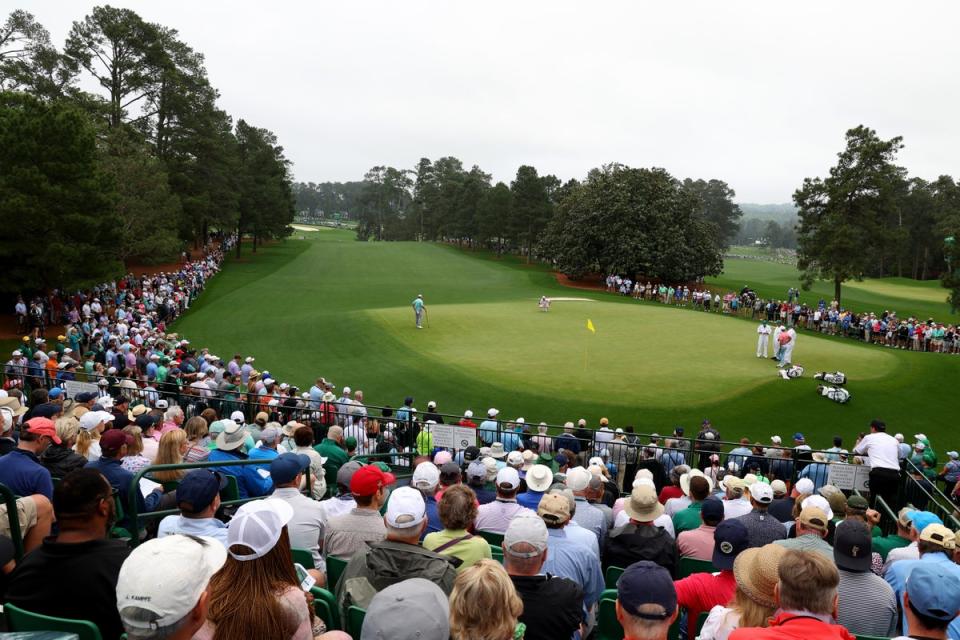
(755, 93)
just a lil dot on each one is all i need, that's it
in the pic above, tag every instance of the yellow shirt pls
(470, 551)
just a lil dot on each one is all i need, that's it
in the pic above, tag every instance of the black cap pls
(471, 453)
(852, 547)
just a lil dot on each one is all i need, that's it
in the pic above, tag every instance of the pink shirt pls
(697, 543)
(164, 428)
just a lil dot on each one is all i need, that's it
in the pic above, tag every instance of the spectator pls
(308, 524)
(252, 480)
(640, 539)
(458, 510)
(198, 441)
(488, 429)
(343, 502)
(331, 448)
(763, 527)
(426, 479)
(930, 602)
(303, 445)
(552, 606)
(416, 606)
(646, 601)
(150, 608)
(735, 503)
(269, 438)
(811, 528)
(698, 488)
(348, 533)
(198, 498)
(61, 459)
(484, 604)
(7, 442)
(675, 491)
(646, 459)
(754, 601)
(88, 440)
(539, 478)
(700, 592)
(397, 558)
(114, 445)
(135, 460)
(587, 515)
(566, 557)
(885, 544)
(173, 446)
(867, 605)
(884, 453)
(806, 597)
(782, 506)
(817, 471)
(698, 543)
(936, 545)
(21, 470)
(148, 432)
(477, 480)
(84, 507)
(257, 594)
(496, 516)
(919, 520)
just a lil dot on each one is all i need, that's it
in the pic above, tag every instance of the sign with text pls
(73, 387)
(451, 436)
(850, 476)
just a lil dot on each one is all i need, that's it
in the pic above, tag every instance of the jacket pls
(382, 564)
(793, 626)
(631, 543)
(60, 460)
(253, 481)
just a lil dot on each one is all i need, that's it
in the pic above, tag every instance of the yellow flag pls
(590, 326)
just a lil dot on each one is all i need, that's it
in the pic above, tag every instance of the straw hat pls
(755, 570)
(643, 505)
(685, 481)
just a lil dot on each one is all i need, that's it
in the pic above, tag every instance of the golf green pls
(335, 307)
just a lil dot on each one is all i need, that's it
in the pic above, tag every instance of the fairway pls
(339, 308)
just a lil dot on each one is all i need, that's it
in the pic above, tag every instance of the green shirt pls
(470, 551)
(687, 519)
(336, 458)
(886, 544)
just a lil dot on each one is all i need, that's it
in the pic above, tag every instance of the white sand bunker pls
(571, 300)
(300, 227)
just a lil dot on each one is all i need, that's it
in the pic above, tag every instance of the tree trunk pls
(923, 274)
(256, 238)
(836, 288)
(239, 239)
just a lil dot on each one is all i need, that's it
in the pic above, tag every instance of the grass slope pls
(339, 308)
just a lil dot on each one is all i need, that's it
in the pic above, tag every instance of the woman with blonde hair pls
(173, 446)
(756, 573)
(60, 459)
(198, 449)
(484, 604)
(134, 460)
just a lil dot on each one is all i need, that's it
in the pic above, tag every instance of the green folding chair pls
(335, 569)
(325, 607)
(232, 490)
(492, 537)
(21, 620)
(303, 557)
(355, 616)
(611, 576)
(497, 553)
(690, 566)
(608, 627)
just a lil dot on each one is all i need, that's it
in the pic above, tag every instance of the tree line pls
(139, 168)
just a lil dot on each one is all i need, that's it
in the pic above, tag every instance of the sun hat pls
(290, 428)
(852, 547)
(525, 528)
(285, 467)
(232, 437)
(13, 404)
(642, 505)
(508, 479)
(554, 507)
(496, 450)
(491, 466)
(539, 478)
(755, 570)
(405, 508)
(644, 583)
(529, 459)
(133, 413)
(934, 591)
(166, 577)
(370, 479)
(414, 609)
(819, 456)
(820, 502)
(686, 477)
(730, 538)
(425, 476)
(578, 478)
(258, 525)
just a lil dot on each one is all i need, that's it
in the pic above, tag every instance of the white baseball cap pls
(166, 577)
(578, 478)
(508, 476)
(820, 502)
(515, 458)
(258, 525)
(525, 528)
(90, 420)
(405, 508)
(426, 476)
(761, 492)
(804, 485)
(776, 440)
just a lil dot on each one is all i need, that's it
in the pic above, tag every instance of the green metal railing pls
(10, 501)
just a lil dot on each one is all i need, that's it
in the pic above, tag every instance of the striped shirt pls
(808, 542)
(867, 604)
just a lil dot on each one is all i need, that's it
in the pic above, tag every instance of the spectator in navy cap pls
(646, 601)
(198, 497)
(47, 410)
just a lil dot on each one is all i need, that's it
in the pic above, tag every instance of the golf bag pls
(837, 377)
(837, 394)
(791, 372)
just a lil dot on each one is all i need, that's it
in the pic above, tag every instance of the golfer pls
(418, 310)
(763, 339)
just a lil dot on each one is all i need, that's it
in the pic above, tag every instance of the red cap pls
(43, 427)
(114, 439)
(367, 480)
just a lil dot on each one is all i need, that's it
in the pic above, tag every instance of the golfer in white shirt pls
(763, 339)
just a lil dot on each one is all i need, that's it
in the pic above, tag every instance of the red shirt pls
(790, 626)
(669, 492)
(701, 592)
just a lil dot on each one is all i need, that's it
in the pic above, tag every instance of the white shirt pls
(736, 508)
(339, 505)
(675, 505)
(764, 329)
(882, 449)
(909, 552)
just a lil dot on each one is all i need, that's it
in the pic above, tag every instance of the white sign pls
(73, 387)
(850, 476)
(451, 436)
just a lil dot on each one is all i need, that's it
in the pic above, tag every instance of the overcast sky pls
(755, 93)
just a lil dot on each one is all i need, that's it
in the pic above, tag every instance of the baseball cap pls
(198, 489)
(370, 479)
(578, 478)
(345, 473)
(54, 393)
(858, 502)
(554, 507)
(162, 404)
(778, 486)
(526, 528)
(645, 583)
(114, 439)
(477, 470)
(939, 535)
(257, 525)
(508, 478)
(904, 515)
(405, 509)
(761, 492)
(711, 509)
(166, 577)
(46, 410)
(471, 453)
(450, 474)
(852, 549)
(426, 476)
(442, 458)
(539, 477)
(285, 467)
(515, 458)
(797, 437)
(814, 518)
(820, 502)
(729, 539)
(414, 609)
(922, 519)
(43, 427)
(934, 591)
(804, 485)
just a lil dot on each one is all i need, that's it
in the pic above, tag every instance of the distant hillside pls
(785, 212)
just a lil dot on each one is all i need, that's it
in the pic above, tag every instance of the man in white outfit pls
(787, 358)
(763, 339)
(777, 348)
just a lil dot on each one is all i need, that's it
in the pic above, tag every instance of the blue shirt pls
(591, 518)
(510, 440)
(24, 475)
(252, 480)
(488, 431)
(738, 456)
(570, 559)
(530, 499)
(433, 515)
(818, 472)
(120, 479)
(194, 527)
(262, 453)
(898, 572)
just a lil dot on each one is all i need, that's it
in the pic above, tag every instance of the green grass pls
(339, 308)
